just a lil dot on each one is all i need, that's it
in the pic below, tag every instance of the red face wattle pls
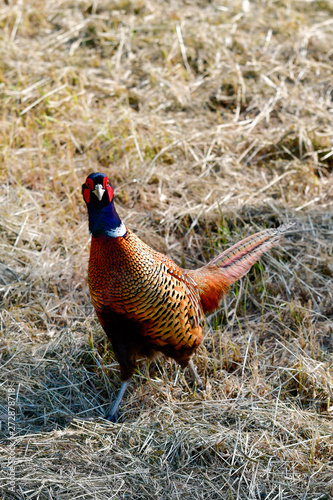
(96, 186)
(108, 187)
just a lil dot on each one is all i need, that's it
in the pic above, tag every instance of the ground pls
(213, 120)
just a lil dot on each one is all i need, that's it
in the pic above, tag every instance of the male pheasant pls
(144, 301)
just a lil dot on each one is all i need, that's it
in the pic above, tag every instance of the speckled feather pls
(150, 290)
(144, 301)
(163, 304)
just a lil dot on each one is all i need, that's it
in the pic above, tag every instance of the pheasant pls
(145, 302)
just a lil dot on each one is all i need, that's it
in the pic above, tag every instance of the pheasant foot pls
(195, 377)
(113, 414)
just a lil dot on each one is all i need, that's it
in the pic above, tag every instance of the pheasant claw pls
(197, 381)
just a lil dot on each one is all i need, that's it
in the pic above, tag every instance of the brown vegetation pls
(213, 120)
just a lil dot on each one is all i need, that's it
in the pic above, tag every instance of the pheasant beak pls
(99, 191)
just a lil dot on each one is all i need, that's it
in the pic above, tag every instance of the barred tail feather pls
(238, 259)
(215, 278)
(259, 242)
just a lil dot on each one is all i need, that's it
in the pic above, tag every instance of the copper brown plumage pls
(143, 300)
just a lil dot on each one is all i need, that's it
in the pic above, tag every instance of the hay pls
(212, 121)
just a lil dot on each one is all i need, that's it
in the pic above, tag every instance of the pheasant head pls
(103, 218)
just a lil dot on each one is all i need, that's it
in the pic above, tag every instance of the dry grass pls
(213, 120)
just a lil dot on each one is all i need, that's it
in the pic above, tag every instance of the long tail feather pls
(214, 278)
(237, 260)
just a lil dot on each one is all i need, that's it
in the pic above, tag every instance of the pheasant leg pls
(113, 414)
(194, 375)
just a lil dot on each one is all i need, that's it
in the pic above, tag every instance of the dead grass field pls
(214, 120)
